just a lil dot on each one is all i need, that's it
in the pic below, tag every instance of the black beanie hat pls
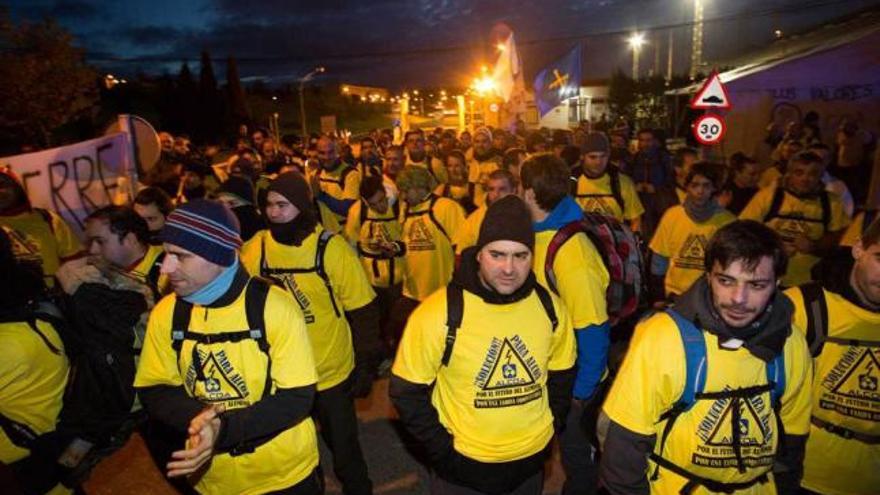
(507, 219)
(240, 186)
(595, 141)
(294, 187)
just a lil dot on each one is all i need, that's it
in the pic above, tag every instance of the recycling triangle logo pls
(751, 430)
(598, 205)
(218, 385)
(420, 239)
(509, 370)
(694, 247)
(862, 380)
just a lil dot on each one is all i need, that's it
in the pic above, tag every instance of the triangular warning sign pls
(862, 380)
(711, 95)
(751, 429)
(694, 247)
(509, 370)
(218, 386)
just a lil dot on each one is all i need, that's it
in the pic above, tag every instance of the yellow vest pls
(492, 396)
(469, 232)
(342, 183)
(845, 394)
(595, 196)
(377, 229)
(430, 254)
(46, 243)
(235, 376)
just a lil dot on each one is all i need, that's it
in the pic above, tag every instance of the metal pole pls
(669, 59)
(635, 62)
(302, 109)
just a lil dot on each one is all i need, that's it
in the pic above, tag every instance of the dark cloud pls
(74, 10)
(152, 35)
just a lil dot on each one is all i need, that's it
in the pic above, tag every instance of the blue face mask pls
(215, 288)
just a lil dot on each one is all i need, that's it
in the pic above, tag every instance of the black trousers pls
(387, 297)
(334, 411)
(403, 307)
(578, 456)
(534, 485)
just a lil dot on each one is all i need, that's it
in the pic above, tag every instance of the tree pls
(210, 108)
(45, 80)
(238, 111)
(186, 96)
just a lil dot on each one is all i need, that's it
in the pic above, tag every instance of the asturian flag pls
(507, 68)
(558, 81)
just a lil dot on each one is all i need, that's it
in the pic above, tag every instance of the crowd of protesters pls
(233, 311)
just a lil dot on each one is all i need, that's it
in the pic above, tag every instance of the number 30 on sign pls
(709, 129)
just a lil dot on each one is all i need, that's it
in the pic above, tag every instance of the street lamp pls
(635, 42)
(302, 106)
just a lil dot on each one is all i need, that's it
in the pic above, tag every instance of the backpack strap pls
(695, 360)
(154, 273)
(559, 238)
(363, 215)
(868, 218)
(776, 379)
(825, 200)
(323, 240)
(255, 296)
(19, 434)
(180, 318)
(454, 314)
(817, 316)
(47, 217)
(775, 204)
(547, 303)
(614, 176)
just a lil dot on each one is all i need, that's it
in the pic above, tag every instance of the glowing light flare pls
(636, 40)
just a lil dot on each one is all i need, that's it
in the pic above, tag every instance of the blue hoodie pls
(593, 340)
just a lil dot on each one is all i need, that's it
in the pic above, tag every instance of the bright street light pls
(635, 42)
(302, 106)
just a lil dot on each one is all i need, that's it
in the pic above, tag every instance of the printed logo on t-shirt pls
(790, 228)
(598, 205)
(852, 387)
(692, 253)
(508, 375)
(419, 237)
(754, 428)
(288, 281)
(24, 246)
(222, 382)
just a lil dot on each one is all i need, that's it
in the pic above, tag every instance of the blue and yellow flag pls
(558, 81)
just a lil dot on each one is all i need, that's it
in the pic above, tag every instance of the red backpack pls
(619, 249)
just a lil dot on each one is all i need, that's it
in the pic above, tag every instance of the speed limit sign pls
(709, 129)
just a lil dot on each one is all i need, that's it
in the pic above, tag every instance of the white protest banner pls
(77, 179)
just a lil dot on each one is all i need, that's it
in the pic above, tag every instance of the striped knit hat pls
(206, 228)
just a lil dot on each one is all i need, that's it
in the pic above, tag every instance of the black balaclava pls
(293, 186)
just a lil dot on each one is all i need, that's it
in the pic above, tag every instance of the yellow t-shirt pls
(324, 312)
(683, 242)
(430, 254)
(845, 394)
(594, 196)
(478, 174)
(651, 380)
(334, 185)
(769, 177)
(148, 263)
(467, 235)
(235, 375)
(33, 239)
(32, 381)
(492, 397)
(854, 232)
(581, 277)
(796, 217)
(377, 229)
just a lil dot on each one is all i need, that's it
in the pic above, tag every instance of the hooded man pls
(484, 371)
(325, 276)
(485, 160)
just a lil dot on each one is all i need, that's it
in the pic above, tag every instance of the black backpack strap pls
(825, 200)
(547, 302)
(454, 314)
(19, 434)
(180, 318)
(255, 296)
(868, 218)
(433, 218)
(154, 273)
(323, 240)
(614, 176)
(817, 316)
(775, 204)
(363, 215)
(47, 217)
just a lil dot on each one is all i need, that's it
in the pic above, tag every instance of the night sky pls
(414, 42)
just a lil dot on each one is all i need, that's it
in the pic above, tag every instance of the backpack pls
(256, 293)
(614, 176)
(620, 252)
(455, 313)
(430, 213)
(395, 210)
(341, 180)
(817, 321)
(694, 343)
(323, 240)
(776, 204)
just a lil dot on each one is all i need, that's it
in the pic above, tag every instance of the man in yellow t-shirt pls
(679, 244)
(484, 371)
(325, 277)
(338, 182)
(484, 160)
(428, 224)
(581, 280)
(37, 235)
(374, 228)
(705, 386)
(603, 190)
(809, 219)
(223, 363)
(416, 156)
(33, 375)
(840, 318)
(501, 183)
